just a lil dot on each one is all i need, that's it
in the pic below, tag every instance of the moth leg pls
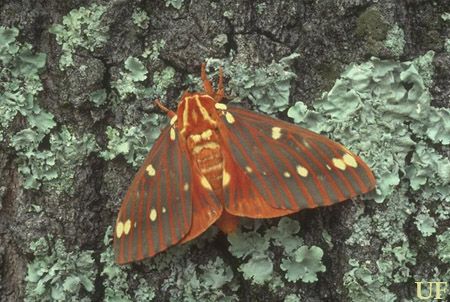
(169, 112)
(206, 83)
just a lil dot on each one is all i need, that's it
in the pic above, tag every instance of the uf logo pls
(440, 289)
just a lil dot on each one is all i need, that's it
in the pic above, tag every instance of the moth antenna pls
(219, 95)
(169, 112)
(206, 82)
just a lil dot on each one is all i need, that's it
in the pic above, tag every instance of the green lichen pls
(425, 69)
(185, 279)
(177, 4)
(205, 282)
(304, 265)
(268, 87)
(372, 26)
(131, 81)
(261, 7)
(395, 41)
(363, 286)
(37, 164)
(445, 16)
(425, 223)
(292, 298)
(20, 84)
(138, 131)
(299, 262)
(56, 274)
(443, 249)
(429, 172)
(151, 53)
(382, 110)
(140, 18)
(220, 40)
(98, 97)
(81, 28)
(352, 112)
(133, 142)
(54, 167)
(115, 277)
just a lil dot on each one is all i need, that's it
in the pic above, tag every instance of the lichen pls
(140, 18)
(138, 131)
(115, 277)
(133, 142)
(292, 298)
(305, 264)
(373, 28)
(54, 167)
(395, 41)
(98, 97)
(81, 28)
(19, 70)
(177, 4)
(268, 87)
(56, 274)
(205, 282)
(382, 110)
(446, 18)
(443, 249)
(298, 261)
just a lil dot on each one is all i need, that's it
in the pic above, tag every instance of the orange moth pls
(215, 163)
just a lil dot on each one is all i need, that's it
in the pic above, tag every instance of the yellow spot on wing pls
(173, 120)
(287, 174)
(186, 186)
(276, 132)
(220, 106)
(249, 169)
(127, 227)
(205, 183)
(150, 170)
(302, 171)
(350, 160)
(225, 178)
(339, 163)
(119, 229)
(172, 134)
(153, 215)
(230, 118)
(163, 210)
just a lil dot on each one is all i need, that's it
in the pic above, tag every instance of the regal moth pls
(215, 163)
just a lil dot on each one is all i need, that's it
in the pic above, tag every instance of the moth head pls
(196, 113)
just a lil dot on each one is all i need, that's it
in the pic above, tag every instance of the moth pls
(215, 163)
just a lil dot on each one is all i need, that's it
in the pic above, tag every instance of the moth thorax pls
(206, 152)
(196, 112)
